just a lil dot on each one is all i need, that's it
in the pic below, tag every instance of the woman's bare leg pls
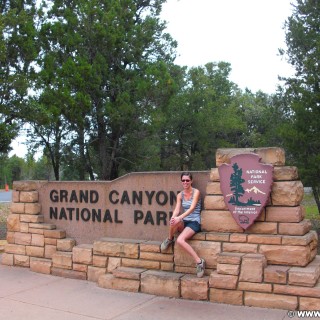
(186, 234)
(173, 229)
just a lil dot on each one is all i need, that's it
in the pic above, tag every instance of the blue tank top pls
(186, 204)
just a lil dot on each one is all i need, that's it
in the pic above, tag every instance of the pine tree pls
(236, 184)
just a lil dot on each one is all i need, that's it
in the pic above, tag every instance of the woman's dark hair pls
(186, 174)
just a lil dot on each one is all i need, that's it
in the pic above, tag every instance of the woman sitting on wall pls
(188, 222)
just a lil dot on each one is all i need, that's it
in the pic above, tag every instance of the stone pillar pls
(273, 263)
(281, 233)
(22, 244)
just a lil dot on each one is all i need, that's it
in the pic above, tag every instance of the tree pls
(17, 52)
(236, 187)
(302, 92)
(11, 169)
(196, 123)
(145, 148)
(97, 63)
(9, 131)
(264, 116)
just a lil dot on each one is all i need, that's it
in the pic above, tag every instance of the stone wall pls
(272, 264)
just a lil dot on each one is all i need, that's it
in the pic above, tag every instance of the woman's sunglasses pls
(185, 180)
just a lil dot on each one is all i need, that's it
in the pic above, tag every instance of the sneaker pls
(165, 244)
(200, 268)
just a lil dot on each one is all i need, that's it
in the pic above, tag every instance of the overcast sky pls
(245, 33)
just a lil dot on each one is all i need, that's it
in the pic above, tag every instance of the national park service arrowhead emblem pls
(246, 186)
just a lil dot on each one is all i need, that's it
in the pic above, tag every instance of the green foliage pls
(10, 170)
(302, 92)
(17, 52)
(195, 122)
(98, 59)
(97, 84)
(8, 133)
(15, 169)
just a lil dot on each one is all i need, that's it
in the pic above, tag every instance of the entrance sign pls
(246, 186)
(135, 206)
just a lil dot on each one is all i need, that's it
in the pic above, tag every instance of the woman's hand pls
(175, 220)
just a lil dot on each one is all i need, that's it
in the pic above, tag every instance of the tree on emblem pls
(236, 185)
(236, 182)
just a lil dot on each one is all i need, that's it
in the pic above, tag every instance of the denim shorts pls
(194, 225)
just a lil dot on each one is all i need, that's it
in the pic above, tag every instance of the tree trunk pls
(162, 148)
(316, 195)
(82, 169)
(89, 165)
(113, 168)
(102, 140)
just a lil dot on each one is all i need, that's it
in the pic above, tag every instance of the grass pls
(310, 205)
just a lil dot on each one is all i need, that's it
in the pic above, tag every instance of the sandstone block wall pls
(273, 264)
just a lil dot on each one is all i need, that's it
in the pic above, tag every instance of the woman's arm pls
(175, 216)
(177, 208)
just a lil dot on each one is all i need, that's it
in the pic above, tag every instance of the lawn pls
(310, 205)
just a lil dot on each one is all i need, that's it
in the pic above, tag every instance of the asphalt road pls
(5, 196)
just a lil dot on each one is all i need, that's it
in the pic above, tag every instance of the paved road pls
(5, 196)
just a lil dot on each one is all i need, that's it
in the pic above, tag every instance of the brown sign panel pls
(246, 186)
(135, 206)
